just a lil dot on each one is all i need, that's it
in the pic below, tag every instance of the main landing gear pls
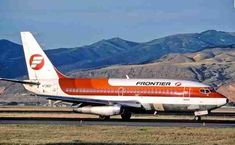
(198, 114)
(125, 116)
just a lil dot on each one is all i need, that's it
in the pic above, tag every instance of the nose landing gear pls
(200, 113)
(197, 118)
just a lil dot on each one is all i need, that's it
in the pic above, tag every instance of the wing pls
(129, 103)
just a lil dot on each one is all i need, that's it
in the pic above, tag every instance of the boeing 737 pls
(108, 97)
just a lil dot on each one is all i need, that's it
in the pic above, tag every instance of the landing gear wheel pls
(126, 116)
(197, 118)
(104, 117)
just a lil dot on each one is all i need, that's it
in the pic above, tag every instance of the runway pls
(222, 118)
(119, 122)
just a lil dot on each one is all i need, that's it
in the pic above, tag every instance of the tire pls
(126, 116)
(197, 118)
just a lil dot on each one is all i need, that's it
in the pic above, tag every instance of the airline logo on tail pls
(36, 61)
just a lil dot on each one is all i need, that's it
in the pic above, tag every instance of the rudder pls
(38, 65)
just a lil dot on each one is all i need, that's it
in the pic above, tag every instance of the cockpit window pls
(205, 91)
(212, 89)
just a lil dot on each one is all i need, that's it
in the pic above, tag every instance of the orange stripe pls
(98, 84)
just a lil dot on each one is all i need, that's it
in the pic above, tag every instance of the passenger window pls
(152, 92)
(156, 91)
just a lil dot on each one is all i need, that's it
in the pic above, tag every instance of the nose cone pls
(222, 100)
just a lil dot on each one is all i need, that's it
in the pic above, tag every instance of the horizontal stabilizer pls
(19, 81)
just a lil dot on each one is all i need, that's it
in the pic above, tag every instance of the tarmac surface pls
(119, 122)
(220, 118)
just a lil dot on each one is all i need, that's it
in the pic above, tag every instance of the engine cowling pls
(99, 110)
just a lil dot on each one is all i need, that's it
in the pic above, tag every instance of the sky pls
(73, 23)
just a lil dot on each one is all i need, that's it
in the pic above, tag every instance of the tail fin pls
(38, 65)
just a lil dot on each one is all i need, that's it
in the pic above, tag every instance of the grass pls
(107, 135)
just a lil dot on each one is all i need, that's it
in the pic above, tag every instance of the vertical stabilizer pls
(38, 65)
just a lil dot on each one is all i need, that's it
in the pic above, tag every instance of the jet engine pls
(99, 110)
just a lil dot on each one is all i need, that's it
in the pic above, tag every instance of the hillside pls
(211, 66)
(12, 63)
(228, 90)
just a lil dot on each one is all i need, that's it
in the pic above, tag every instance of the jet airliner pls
(108, 97)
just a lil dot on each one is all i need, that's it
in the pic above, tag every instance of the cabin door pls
(121, 91)
(187, 92)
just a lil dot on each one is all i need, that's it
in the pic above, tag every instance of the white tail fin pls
(38, 65)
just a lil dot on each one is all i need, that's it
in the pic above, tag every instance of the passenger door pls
(121, 91)
(186, 94)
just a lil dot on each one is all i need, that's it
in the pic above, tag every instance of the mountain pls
(12, 62)
(115, 51)
(89, 56)
(152, 50)
(232, 33)
(211, 66)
